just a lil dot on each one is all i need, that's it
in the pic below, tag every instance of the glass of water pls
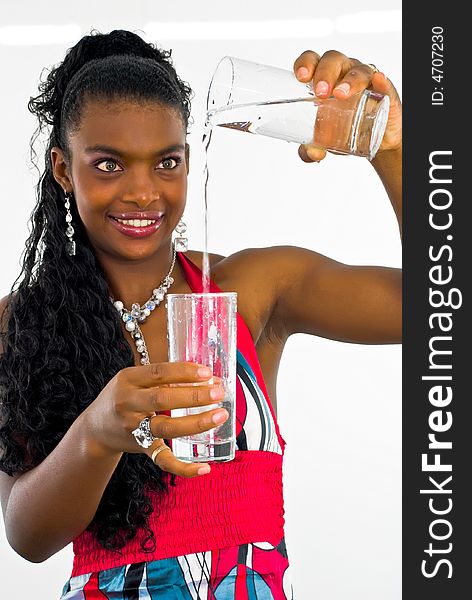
(201, 328)
(270, 101)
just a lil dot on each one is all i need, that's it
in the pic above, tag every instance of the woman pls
(76, 384)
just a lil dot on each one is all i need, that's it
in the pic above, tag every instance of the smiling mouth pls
(137, 228)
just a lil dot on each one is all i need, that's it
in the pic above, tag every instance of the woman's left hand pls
(335, 74)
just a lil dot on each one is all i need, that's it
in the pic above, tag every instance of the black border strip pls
(440, 125)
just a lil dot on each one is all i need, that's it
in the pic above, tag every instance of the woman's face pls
(129, 161)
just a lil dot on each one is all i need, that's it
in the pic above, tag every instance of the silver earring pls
(181, 242)
(70, 244)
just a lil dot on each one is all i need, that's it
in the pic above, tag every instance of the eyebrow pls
(116, 152)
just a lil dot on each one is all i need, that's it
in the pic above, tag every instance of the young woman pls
(76, 382)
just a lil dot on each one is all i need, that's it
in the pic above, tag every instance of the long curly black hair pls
(48, 373)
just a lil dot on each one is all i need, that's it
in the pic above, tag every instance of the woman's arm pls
(307, 292)
(311, 292)
(45, 508)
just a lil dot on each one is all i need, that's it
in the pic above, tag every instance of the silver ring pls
(373, 67)
(162, 447)
(143, 435)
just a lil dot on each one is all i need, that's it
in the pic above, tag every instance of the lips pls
(137, 232)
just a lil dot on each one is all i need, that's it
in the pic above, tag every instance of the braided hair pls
(48, 373)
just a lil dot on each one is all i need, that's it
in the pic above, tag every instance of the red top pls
(238, 502)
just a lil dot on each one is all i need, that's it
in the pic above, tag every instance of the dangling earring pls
(70, 244)
(181, 242)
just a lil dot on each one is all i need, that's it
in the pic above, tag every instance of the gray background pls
(339, 404)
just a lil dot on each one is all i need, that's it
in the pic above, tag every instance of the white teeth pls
(136, 222)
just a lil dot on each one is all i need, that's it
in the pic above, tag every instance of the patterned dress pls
(257, 570)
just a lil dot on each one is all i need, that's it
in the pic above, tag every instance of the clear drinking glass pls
(202, 329)
(270, 101)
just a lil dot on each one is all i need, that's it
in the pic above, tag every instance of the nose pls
(142, 190)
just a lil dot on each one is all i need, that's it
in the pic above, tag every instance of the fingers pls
(334, 74)
(166, 461)
(324, 71)
(310, 153)
(354, 81)
(160, 399)
(163, 426)
(330, 68)
(165, 373)
(381, 83)
(305, 65)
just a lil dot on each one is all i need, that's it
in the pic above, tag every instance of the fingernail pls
(216, 393)
(321, 88)
(219, 417)
(203, 470)
(344, 88)
(302, 72)
(204, 372)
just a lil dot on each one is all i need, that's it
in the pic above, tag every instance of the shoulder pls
(4, 303)
(250, 257)
(5, 307)
(247, 266)
(272, 268)
(274, 265)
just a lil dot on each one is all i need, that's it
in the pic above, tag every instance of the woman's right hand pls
(138, 392)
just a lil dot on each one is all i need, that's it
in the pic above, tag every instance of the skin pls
(45, 508)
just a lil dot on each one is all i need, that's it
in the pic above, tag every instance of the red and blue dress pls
(219, 536)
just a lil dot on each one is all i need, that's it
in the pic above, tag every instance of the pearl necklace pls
(138, 314)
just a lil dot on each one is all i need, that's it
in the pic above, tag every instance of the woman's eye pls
(170, 163)
(109, 165)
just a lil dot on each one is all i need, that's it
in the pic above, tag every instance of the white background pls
(339, 403)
